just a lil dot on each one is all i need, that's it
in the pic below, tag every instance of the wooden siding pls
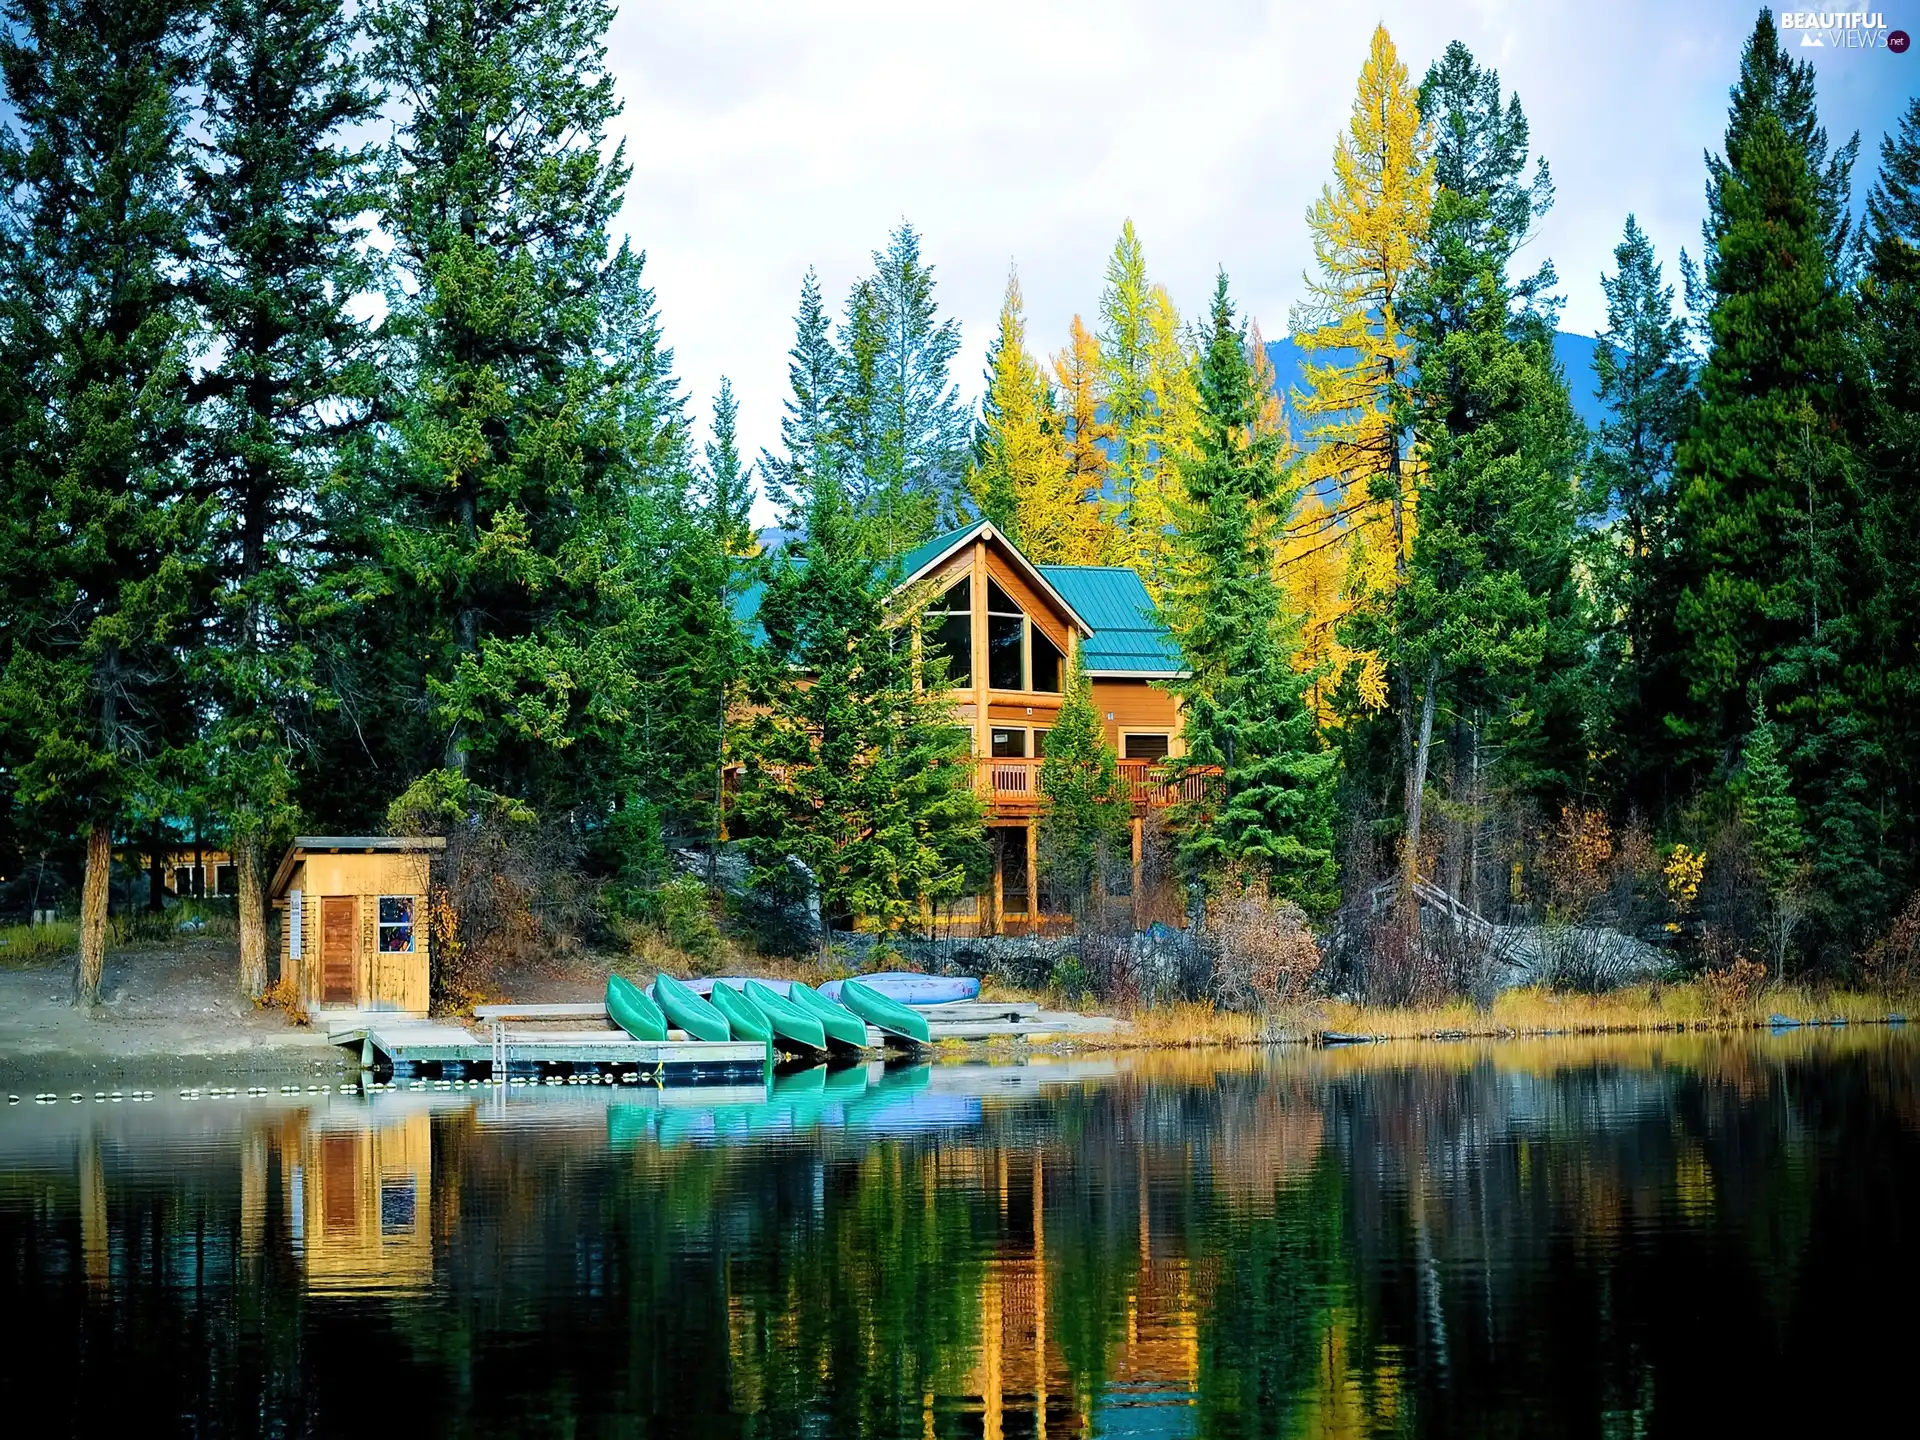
(381, 980)
(1136, 705)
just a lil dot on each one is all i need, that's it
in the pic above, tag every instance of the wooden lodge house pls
(1010, 629)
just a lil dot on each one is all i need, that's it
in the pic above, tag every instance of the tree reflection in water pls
(1602, 1236)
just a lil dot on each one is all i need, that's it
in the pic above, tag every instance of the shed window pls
(1146, 747)
(396, 922)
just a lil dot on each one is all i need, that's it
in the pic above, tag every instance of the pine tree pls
(1767, 392)
(1773, 83)
(810, 429)
(861, 775)
(1021, 482)
(1489, 617)
(1369, 230)
(1244, 705)
(511, 467)
(103, 529)
(906, 428)
(1086, 806)
(1767, 807)
(1643, 365)
(1887, 669)
(278, 266)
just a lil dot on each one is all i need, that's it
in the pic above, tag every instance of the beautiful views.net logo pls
(1843, 30)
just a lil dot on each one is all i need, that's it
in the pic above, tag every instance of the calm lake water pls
(1679, 1236)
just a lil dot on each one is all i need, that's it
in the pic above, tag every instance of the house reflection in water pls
(1022, 1378)
(359, 1198)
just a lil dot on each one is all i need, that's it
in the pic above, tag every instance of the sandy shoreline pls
(166, 1015)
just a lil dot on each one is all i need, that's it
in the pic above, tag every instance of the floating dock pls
(500, 1046)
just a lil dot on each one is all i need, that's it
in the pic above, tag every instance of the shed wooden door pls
(339, 929)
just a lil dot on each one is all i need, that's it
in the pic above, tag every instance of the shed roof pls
(350, 844)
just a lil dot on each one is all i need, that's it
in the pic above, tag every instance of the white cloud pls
(769, 136)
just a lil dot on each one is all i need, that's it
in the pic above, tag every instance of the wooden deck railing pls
(1013, 783)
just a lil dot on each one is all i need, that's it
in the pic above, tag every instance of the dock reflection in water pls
(1608, 1237)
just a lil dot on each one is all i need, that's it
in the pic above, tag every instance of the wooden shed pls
(353, 920)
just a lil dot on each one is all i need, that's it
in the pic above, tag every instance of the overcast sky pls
(768, 135)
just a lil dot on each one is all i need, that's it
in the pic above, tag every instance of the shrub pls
(686, 914)
(1262, 953)
(1734, 989)
(1891, 964)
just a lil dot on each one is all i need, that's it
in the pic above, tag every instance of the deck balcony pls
(1011, 785)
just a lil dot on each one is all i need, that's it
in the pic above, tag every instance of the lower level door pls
(339, 929)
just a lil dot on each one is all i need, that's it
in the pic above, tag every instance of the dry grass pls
(1630, 1008)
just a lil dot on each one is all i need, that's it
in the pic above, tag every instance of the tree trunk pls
(1473, 812)
(253, 916)
(1417, 781)
(157, 872)
(93, 916)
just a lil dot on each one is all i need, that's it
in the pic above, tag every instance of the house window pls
(226, 880)
(949, 632)
(1145, 747)
(183, 881)
(396, 923)
(1040, 744)
(1006, 641)
(1009, 744)
(1049, 665)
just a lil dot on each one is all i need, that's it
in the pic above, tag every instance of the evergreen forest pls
(347, 487)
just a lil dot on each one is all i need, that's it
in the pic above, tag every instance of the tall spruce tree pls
(277, 268)
(1486, 624)
(1644, 368)
(810, 428)
(907, 432)
(1245, 713)
(1773, 83)
(511, 587)
(863, 774)
(103, 529)
(1768, 397)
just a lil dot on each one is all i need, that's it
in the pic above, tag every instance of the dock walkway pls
(508, 1046)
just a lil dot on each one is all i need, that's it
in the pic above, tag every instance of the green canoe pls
(845, 1030)
(901, 1025)
(743, 1016)
(794, 1030)
(689, 1012)
(633, 1011)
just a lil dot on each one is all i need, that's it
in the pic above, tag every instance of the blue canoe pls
(907, 988)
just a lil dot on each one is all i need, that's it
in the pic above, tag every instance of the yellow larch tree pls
(1351, 537)
(1171, 423)
(1023, 482)
(1076, 374)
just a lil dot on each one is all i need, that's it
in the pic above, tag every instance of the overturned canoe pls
(743, 1016)
(632, 1011)
(795, 1031)
(689, 1012)
(890, 1017)
(845, 1030)
(908, 988)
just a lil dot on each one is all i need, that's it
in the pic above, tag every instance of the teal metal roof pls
(927, 551)
(1128, 633)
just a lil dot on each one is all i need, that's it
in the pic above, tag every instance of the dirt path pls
(168, 1013)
